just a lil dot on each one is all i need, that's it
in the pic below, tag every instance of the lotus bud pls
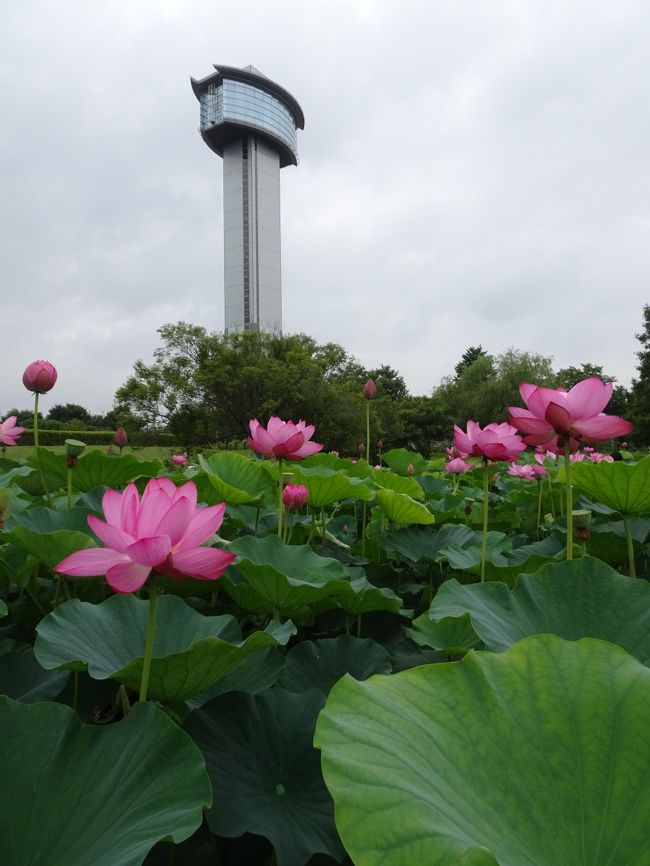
(380, 444)
(120, 438)
(409, 469)
(362, 447)
(110, 450)
(294, 496)
(39, 377)
(369, 390)
(345, 529)
(179, 459)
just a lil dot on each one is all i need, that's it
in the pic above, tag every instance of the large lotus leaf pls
(327, 486)
(398, 483)
(257, 672)
(321, 663)
(400, 508)
(399, 460)
(360, 596)
(467, 555)
(538, 756)
(191, 652)
(286, 577)
(22, 678)
(356, 469)
(623, 486)
(49, 520)
(236, 479)
(96, 469)
(453, 635)
(415, 542)
(575, 599)
(94, 796)
(265, 772)
(49, 548)
(53, 467)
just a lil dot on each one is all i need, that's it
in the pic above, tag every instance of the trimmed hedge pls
(100, 437)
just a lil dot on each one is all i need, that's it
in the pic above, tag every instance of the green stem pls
(569, 500)
(38, 453)
(322, 523)
(630, 546)
(151, 633)
(368, 431)
(257, 520)
(359, 625)
(486, 497)
(539, 506)
(69, 488)
(363, 530)
(280, 506)
(124, 700)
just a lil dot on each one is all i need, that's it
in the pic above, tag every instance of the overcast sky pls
(470, 172)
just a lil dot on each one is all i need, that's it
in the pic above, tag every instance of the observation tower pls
(252, 123)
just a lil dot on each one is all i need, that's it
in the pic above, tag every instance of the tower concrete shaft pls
(252, 123)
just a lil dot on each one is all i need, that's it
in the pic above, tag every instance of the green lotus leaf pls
(191, 651)
(453, 635)
(49, 548)
(285, 577)
(622, 486)
(327, 486)
(22, 678)
(355, 469)
(3, 609)
(398, 483)
(537, 756)
(235, 479)
(258, 671)
(400, 508)
(265, 772)
(399, 460)
(104, 795)
(49, 520)
(580, 598)
(415, 542)
(359, 596)
(321, 663)
(96, 469)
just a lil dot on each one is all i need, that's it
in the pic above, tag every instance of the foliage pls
(640, 395)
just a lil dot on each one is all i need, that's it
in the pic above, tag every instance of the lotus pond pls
(350, 690)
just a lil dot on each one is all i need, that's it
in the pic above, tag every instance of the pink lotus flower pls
(542, 455)
(9, 432)
(575, 415)
(39, 377)
(457, 466)
(369, 390)
(519, 470)
(294, 496)
(283, 439)
(494, 442)
(597, 457)
(577, 457)
(120, 438)
(540, 472)
(162, 532)
(179, 459)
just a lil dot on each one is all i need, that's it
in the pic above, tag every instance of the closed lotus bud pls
(39, 377)
(120, 438)
(361, 448)
(345, 529)
(110, 450)
(369, 390)
(179, 459)
(294, 496)
(409, 469)
(380, 444)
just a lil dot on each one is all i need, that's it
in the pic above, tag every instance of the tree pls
(68, 412)
(469, 356)
(640, 395)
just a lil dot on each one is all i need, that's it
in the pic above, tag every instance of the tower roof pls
(250, 75)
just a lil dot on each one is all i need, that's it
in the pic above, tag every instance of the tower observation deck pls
(252, 123)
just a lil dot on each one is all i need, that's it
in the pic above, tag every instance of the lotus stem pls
(151, 634)
(569, 499)
(486, 498)
(69, 488)
(38, 453)
(280, 506)
(368, 431)
(630, 545)
(539, 506)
